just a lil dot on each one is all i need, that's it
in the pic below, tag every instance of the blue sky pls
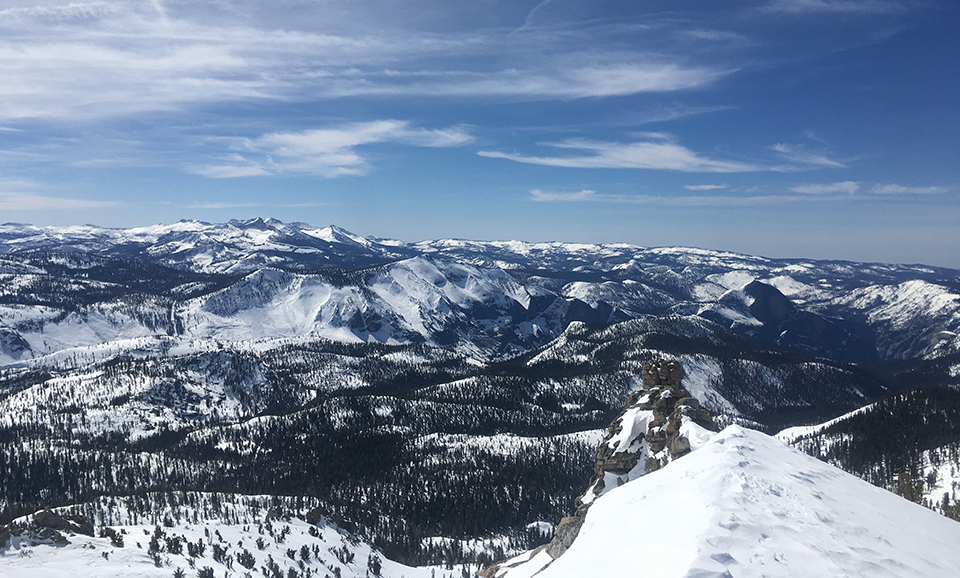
(785, 128)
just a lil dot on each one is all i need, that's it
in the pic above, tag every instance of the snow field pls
(744, 505)
(273, 546)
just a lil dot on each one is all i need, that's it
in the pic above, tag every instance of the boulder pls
(54, 521)
(564, 535)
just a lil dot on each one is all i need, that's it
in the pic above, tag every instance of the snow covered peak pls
(746, 505)
(335, 234)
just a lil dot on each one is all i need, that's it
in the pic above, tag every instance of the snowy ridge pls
(746, 505)
(913, 314)
(792, 434)
(263, 278)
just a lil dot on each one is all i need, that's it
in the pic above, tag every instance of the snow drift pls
(745, 505)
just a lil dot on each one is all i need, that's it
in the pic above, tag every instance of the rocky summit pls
(649, 433)
(660, 423)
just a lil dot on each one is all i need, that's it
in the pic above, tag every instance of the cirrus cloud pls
(902, 190)
(847, 187)
(544, 196)
(705, 187)
(96, 60)
(802, 156)
(833, 6)
(658, 153)
(32, 202)
(327, 152)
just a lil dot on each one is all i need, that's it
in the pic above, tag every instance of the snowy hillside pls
(908, 442)
(746, 505)
(205, 535)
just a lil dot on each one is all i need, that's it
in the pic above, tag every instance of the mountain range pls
(460, 386)
(262, 278)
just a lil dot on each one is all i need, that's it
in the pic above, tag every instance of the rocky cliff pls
(659, 423)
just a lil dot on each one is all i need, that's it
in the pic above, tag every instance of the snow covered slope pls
(908, 442)
(746, 505)
(239, 535)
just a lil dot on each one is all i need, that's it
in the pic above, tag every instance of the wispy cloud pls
(552, 80)
(705, 187)
(242, 168)
(543, 196)
(672, 201)
(902, 190)
(33, 202)
(802, 156)
(675, 111)
(218, 206)
(528, 21)
(846, 187)
(712, 35)
(95, 60)
(833, 6)
(657, 153)
(328, 152)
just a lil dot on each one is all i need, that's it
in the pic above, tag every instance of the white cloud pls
(671, 201)
(96, 60)
(675, 111)
(31, 202)
(661, 155)
(833, 6)
(244, 169)
(705, 187)
(217, 206)
(712, 35)
(848, 187)
(543, 196)
(329, 152)
(901, 190)
(550, 81)
(799, 154)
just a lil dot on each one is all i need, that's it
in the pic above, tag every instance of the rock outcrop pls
(45, 527)
(648, 434)
(659, 423)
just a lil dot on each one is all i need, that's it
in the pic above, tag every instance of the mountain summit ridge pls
(746, 505)
(533, 290)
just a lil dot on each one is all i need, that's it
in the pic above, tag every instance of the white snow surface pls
(90, 557)
(745, 505)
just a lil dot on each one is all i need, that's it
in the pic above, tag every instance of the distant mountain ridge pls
(485, 298)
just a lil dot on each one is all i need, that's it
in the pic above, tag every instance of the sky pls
(784, 128)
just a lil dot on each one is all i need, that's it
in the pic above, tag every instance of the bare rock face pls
(660, 423)
(46, 527)
(564, 535)
(54, 521)
(648, 429)
(662, 373)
